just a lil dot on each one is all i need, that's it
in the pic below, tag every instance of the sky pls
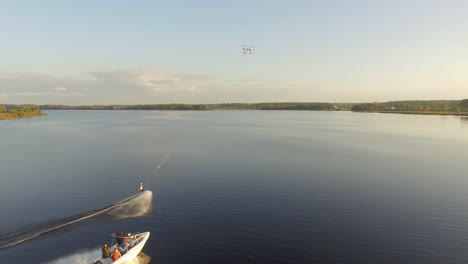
(150, 52)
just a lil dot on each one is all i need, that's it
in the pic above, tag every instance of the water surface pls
(243, 186)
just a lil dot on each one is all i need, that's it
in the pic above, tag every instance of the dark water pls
(243, 186)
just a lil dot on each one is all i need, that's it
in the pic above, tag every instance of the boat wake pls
(137, 207)
(79, 257)
(88, 256)
(134, 206)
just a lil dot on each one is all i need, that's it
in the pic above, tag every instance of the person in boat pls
(142, 189)
(119, 237)
(123, 247)
(106, 253)
(128, 240)
(116, 255)
(133, 242)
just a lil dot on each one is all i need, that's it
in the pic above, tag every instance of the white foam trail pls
(87, 257)
(137, 207)
(79, 257)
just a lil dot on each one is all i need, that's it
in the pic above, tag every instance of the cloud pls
(30, 94)
(244, 80)
(23, 75)
(60, 89)
(151, 79)
(135, 85)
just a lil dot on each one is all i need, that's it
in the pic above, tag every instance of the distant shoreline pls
(6, 116)
(19, 112)
(240, 109)
(416, 107)
(425, 113)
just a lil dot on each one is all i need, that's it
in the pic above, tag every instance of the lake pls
(242, 186)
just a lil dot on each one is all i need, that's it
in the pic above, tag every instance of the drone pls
(248, 50)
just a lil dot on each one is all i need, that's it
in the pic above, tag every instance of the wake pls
(88, 256)
(137, 207)
(134, 206)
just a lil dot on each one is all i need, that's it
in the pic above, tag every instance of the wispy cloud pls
(30, 94)
(151, 79)
(100, 86)
(248, 80)
(60, 89)
(24, 75)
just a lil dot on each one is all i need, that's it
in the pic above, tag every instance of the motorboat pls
(137, 242)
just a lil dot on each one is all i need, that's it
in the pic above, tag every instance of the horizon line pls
(284, 102)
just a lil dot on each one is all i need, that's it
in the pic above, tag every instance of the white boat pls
(138, 244)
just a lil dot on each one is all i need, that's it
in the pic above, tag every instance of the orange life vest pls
(116, 255)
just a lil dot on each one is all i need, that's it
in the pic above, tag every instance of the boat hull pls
(130, 254)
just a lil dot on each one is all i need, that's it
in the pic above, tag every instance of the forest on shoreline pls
(195, 107)
(442, 107)
(447, 107)
(19, 112)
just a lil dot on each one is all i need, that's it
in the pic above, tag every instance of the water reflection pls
(245, 186)
(464, 120)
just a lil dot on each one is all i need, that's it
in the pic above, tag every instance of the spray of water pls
(79, 257)
(137, 207)
(134, 206)
(88, 256)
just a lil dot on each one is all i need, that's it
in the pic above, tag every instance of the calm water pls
(243, 186)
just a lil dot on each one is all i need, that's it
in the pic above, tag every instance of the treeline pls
(298, 106)
(128, 107)
(274, 106)
(432, 105)
(233, 106)
(169, 107)
(23, 112)
(364, 108)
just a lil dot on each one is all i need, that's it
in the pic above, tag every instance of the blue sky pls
(129, 52)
